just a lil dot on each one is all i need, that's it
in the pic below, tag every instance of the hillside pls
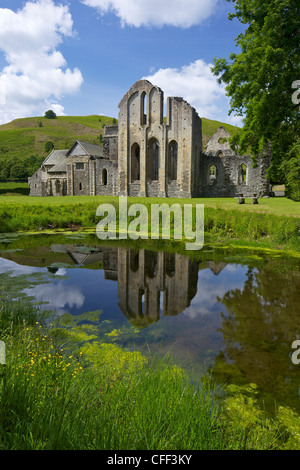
(22, 141)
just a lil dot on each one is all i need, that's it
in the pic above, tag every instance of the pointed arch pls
(153, 159)
(104, 177)
(135, 162)
(172, 160)
(144, 108)
(57, 186)
(213, 171)
(243, 173)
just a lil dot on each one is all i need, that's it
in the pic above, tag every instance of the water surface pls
(234, 313)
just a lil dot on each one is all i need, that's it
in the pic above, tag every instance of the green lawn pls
(11, 188)
(277, 206)
(273, 222)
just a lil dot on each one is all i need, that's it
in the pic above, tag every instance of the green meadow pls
(273, 223)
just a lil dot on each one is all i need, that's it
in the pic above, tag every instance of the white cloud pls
(199, 87)
(59, 296)
(157, 13)
(37, 74)
(205, 301)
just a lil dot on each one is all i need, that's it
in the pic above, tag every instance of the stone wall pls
(97, 177)
(36, 184)
(225, 173)
(106, 173)
(110, 142)
(144, 139)
(228, 180)
(79, 176)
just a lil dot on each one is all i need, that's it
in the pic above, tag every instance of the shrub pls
(48, 146)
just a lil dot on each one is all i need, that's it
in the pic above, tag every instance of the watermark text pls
(164, 221)
(2, 353)
(296, 94)
(296, 354)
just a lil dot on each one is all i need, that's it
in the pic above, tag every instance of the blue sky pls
(80, 57)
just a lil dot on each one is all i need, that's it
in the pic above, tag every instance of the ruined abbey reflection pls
(154, 284)
(150, 284)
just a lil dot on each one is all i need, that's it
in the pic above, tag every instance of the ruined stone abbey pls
(147, 155)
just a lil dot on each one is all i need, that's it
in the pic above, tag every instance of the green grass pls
(12, 188)
(25, 136)
(276, 206)
(272, 223)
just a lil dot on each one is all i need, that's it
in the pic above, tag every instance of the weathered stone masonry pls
(149, 155)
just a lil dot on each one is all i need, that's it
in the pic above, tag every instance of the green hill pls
(22, 141)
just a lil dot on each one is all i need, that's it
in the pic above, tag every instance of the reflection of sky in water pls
(211, 286)
(16, 269)
(197, 335)
(80, 290)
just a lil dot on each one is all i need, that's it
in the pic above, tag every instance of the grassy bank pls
(62, 389)
(272, 223)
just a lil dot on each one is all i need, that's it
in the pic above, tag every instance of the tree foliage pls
(10, 169)
(50, 114)
(260, 79)
(48, 146)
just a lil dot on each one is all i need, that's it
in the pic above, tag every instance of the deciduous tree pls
(261, 79)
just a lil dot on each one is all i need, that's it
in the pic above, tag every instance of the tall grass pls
(96, 396)
(52, 400)
(227, 224)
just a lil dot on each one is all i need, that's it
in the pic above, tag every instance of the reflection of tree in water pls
(260, 324)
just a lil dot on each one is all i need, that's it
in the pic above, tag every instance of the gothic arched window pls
(172, 160)
(153, 159)
(135, 162)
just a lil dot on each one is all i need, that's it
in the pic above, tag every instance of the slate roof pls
(58, 160)
(92, 150)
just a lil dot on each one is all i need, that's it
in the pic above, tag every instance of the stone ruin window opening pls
(142, 302)
(104, 177)
(57, 187)
(243, 174)
(170, 264)
(213, 171)
(151, 262)
(212, 174)
(161, 299)
(153, 159)
(172, 160)
(80, 186)
(134, 261)
(144, 108)
(135, 163)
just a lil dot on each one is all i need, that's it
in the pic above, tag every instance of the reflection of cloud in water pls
(210, 287)
(58, 295)
(7, 266)
(61, 272)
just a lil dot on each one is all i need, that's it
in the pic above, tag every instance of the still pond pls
(232, 313)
